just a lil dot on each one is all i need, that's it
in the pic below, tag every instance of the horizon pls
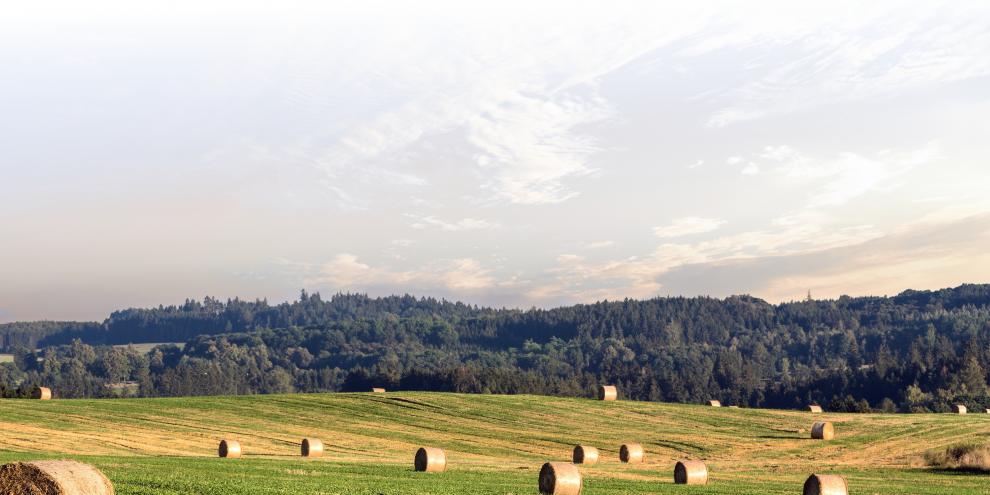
(496, 308)
(511, 155)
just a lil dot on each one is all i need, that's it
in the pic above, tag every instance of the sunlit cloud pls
(345, 272)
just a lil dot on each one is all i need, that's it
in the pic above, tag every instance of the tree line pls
(917, 351)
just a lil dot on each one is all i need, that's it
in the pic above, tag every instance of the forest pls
(916, 351)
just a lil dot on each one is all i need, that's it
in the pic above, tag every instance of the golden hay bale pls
(690, 473)
(815, 408)
(631, 453)
(312, 447)
(41, 393)
(560, 478)
(715, 403)
(229, 448)
(53, 478)
(585, 455)
(822, 430)
(825, 484)
(430, 460)
(988, 411)
(959, 409)
(378, 390)
(608, 392)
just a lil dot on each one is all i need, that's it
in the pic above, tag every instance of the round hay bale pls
(53, 478)
(959, 409)
(312, 447)
(988, 411)
(41, 393)
(815, 408)
(822, 430)
(715, 403)
(585, 455)
(378, 390)
(631, 453)
(229, 448)
(560, 478)
(430, 460)
(825, 484)
(690, 473)
(608, 392)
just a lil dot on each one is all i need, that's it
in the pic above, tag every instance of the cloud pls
(750, 169)
(785, 263)
(848, 175)
(782, 153)
(345, 272)
(577, 279)
(526, 145)
(465, 274)
(598, 244)
(729, 116)
(427, 222)
(688, 226)
(921, 255)
(518, 112)
(826, 58)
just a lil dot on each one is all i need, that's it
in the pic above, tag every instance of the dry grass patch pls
(962, 457)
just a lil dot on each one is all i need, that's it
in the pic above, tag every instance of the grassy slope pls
(495, 444)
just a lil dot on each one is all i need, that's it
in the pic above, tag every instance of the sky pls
(512, 154)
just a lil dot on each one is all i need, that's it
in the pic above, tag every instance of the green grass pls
(495, 444)
(146, 348)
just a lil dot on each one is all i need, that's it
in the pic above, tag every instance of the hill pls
(917, 351)
(495, 444)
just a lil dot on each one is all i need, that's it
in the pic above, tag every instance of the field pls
(6, 358)
(147, 347)
(495, 444)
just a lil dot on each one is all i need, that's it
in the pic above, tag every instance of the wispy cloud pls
(848, 175)
(598, 244)
(526, 142)
(688, 226)
(836, 60)
(517, 109)
(428, 221)
(727, 116)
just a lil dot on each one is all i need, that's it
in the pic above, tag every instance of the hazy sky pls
(519, 154)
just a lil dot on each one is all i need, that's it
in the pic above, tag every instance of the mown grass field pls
(495, 444)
